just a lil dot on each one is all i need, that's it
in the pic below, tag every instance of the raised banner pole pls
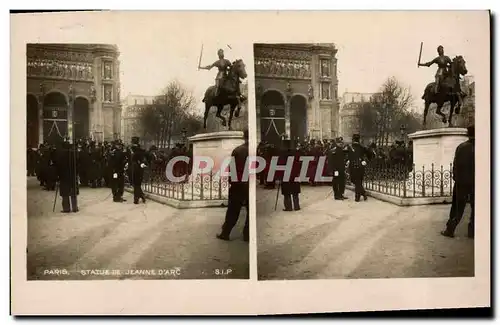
(201, 54)
(420, 54)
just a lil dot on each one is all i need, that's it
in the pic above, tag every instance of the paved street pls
(153, 239)
(343, 239)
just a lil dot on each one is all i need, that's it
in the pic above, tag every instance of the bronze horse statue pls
(228, 94)
(449, 91)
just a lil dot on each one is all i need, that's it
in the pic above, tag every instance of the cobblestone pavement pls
(153, 240)
(344, 239)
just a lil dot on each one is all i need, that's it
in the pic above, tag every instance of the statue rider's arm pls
(208, 67)
(428, 64)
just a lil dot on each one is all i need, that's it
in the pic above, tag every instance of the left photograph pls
(133, 157)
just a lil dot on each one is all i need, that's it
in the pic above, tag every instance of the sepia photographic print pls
(107, 194)
(324, 163)
(380, 148)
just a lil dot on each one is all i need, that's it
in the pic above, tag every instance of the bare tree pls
(386, 112)
(171, 112)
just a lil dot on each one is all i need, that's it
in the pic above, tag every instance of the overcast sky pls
(371, 48)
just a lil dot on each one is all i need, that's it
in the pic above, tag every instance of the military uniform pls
(238, 193)
(463, 189)
(357, 160)
(117, 162)
(137, 165)
(67, 173)
(336, 165)
(290, 188)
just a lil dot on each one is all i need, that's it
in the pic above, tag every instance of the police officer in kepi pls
(238, 191)
(336, 164)
(67, 173)
(137, 165)
(118, 161)
(463, 189)
(357, 161)
(290, 188)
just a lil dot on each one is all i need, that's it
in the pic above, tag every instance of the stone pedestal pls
(436, 147)
(216, 145)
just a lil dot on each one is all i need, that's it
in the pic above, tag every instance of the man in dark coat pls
(463, 189)
(238, 191)
(137, 165)
(336, 164)
(357, 160)
(50, 172)
(290, 188)
(31, 162)
(67, 174)
(117, 162)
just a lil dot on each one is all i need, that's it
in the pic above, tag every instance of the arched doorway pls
(81, 118)
(272, 116)
(298, 118)
(31, 121)
(55, 117)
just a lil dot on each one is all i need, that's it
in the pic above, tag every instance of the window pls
(325, 68)
(107, 93)
(107, 71)
(325, 91)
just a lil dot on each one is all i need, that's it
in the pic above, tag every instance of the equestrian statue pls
(446, 87)
(227, 88)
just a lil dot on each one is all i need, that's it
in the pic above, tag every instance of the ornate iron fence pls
(200, 187)
(409, 182)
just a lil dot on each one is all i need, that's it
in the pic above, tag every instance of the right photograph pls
(369, 157)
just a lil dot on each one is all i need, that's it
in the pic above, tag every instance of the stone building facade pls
(73, 90)
(132, 106)
(350, 104)
(296, 90)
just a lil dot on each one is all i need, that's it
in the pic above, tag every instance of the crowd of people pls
(88, 163)
(397, 156)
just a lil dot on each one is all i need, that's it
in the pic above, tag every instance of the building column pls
(257, 122)
(91, 118)
(315, 105)
(287, 117)
(70, 119)
(40, 119)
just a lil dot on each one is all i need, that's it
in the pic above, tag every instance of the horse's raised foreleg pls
(231, 112)
(452, 108)
(426, 110)
(219, 111)
(205, 116)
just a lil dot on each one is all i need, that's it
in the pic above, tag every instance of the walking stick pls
(277, 196)
(55, 198)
